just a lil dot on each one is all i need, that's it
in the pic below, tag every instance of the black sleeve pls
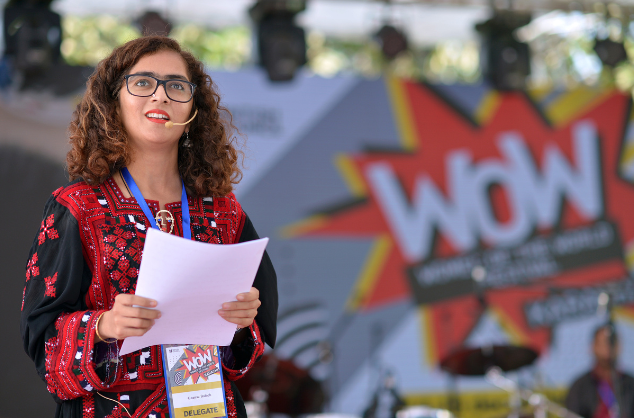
(582, 398)
(56, 325)
(627, 395)
(266, 282)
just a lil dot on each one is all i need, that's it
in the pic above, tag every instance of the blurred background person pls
(593, 394)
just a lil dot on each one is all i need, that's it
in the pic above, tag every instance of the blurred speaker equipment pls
(477, 361)
(289, 389)
(505, 60)
(392, 41)
(32, 36)
(281, 43)
(421, 411)
(610, 52)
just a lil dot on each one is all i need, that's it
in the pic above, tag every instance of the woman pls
(79, 301)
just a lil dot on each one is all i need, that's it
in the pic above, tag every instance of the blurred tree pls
(87, 40)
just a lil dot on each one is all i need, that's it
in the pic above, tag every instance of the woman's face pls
(144, 117)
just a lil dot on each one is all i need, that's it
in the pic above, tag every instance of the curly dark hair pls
(99, 143)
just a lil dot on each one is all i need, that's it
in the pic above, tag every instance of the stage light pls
(505, 60)
(392, 41)
(32, 36)
(281, 43)
(610, 52)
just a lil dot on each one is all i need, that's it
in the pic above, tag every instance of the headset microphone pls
(169, 123)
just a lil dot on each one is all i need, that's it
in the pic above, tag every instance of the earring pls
(187, 143)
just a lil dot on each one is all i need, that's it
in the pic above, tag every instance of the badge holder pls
(193, 381)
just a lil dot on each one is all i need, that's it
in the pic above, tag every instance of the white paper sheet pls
(191, 280)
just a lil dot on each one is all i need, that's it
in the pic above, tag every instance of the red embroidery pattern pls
(49, 348)
(46, 229)
(89, 407)
(122, 258)
(31, 269)
(231, 403)
(50, 285)
(60, 360)
(112, 233)
(117, 411)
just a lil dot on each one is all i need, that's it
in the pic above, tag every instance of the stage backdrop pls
(383, 197)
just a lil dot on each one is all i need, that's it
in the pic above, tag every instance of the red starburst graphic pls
(199, 362)
(516, 186)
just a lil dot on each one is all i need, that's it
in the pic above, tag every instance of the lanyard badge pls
(193, 380)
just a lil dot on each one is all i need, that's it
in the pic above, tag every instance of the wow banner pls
(409, 220)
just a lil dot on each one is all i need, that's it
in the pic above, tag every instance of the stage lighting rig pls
(281, 43)
(505, 60)
(32, 55)
(32, 35)
(392, 41)
(610, 52)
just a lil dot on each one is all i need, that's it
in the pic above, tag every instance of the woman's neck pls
(157, 177)
(603, 370)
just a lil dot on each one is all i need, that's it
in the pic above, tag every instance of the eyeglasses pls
(145, 85)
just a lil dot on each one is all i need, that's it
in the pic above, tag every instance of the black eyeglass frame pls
(158, 83)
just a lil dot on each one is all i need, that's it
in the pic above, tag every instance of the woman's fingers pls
(134, 300)
(251, 295)
(249, 300)
(120, 327)
(134, 312)
(137, 323)
(233, 306)
(243, 311)
(130, 316)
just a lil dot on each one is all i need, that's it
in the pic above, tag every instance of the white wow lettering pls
(465, 215)
(198, 361)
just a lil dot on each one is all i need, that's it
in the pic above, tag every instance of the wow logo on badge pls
(199, 362)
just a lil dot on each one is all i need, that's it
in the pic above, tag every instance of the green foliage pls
(87, 40)
(228, 48)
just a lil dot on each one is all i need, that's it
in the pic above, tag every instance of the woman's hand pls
(128, 317)
(242, 312)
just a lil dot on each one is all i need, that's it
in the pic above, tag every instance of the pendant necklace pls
(164, 217)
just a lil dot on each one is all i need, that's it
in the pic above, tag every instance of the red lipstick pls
(157, 116)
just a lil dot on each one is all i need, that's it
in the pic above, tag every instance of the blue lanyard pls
(606, 394)
(187, 233)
